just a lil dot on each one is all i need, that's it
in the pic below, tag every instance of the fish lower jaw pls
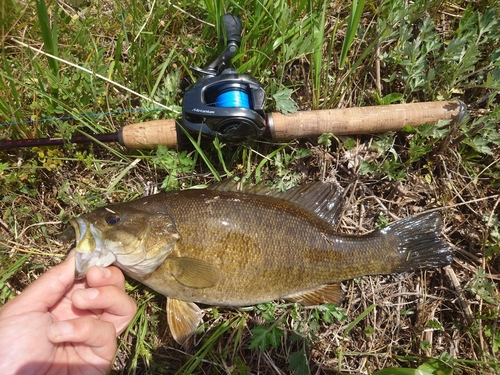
(86, 259)
(82, 263)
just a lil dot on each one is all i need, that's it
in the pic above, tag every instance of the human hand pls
(60, 325)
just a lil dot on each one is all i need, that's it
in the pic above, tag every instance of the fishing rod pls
(228, 105)
(279, 127)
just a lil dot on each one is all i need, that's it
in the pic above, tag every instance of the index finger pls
(100, 276)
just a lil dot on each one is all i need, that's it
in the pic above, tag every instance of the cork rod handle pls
(362, 120)
(149, 134)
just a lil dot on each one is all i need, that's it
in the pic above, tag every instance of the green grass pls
(81, 61)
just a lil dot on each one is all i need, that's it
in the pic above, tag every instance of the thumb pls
(44, 292)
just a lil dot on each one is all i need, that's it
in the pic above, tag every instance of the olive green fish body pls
(267, 248)
(223, 246)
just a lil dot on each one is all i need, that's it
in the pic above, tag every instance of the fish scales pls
(258, 243)
(222, 246)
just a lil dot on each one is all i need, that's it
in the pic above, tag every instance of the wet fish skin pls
(261, 258)
(226, 247)
(137, 241)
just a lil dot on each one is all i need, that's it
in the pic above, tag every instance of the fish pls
(240, 245)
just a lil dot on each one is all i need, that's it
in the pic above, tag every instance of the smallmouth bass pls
(234, 246)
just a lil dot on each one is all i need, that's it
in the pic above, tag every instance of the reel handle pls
(231, 27)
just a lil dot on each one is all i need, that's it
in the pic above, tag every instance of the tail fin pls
(420, 245)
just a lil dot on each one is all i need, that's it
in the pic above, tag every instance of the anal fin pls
(183, 319)
(330, 293)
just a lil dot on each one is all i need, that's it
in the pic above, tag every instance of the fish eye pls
(113, 219)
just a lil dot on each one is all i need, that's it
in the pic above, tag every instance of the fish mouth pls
(89, 248)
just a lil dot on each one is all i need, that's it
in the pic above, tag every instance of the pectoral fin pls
(193, 273)
(330, 293)
(183, 319)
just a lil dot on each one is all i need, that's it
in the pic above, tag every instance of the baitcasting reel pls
(224, 103)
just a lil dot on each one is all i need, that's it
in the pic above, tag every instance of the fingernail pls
(89, 293)
(61, 328)
(105, 272)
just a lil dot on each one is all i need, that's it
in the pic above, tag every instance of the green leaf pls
(480, 144)
(366, 167)
(435, 367)
(317, 57)
(359, 318)
(284, 103)
(324, 139)
(401, 371)
(263, 337)
(435, 324)
(49, 35)
(349, 143)
(389, 98)
(494, 337)
(425, 345)
(331, 312)
(298, 362)
(352, 27)
(5, 293)
(489, 26)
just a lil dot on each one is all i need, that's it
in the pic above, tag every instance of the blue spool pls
(233, 99)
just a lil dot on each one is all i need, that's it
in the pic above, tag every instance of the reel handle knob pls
(233, 27)
(230, 27)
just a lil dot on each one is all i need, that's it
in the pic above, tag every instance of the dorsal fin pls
(323, 199)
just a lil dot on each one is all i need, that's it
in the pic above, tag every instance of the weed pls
(287, 178)
(298, 362)
(352, 26)
(174, 164)
(482, 287)
(50, 158)
(284, 103)
(492, 245)
(435, 367)
(9, 269)
(388, 162)
(437, 69)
